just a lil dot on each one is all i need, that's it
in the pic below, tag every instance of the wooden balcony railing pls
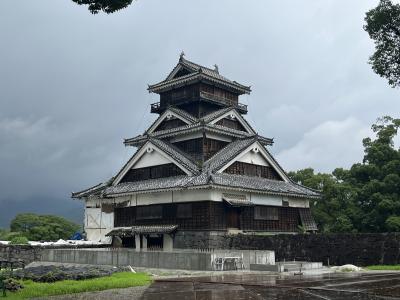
(156, 107)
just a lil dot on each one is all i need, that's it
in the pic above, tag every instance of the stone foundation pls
(333, 249)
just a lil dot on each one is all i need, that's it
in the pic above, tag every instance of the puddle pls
(360, 286)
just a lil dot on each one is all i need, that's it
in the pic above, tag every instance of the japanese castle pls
(200, 171)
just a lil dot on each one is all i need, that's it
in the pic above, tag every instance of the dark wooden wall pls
(241, 168)
(199, 99)
(126, 216)
(154, 172)
(208, 215)
(234, 124)
(201, 149)
(168, 124)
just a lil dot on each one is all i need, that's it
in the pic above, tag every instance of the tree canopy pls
(43, 227)
(107, 6)
(365, 198)
(383, 26)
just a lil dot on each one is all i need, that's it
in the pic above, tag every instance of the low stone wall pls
(333, 249)
(25, 253)
(28, 253)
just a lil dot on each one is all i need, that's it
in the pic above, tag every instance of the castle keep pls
(199, 170)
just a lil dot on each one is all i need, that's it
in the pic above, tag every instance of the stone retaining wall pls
(333, 249)
(29, 253)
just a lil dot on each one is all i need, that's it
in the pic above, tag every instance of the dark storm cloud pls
(73, 85)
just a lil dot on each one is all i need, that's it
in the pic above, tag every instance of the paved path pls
(360, 286)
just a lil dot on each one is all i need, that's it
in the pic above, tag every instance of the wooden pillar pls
(137, 242)
(144, 243)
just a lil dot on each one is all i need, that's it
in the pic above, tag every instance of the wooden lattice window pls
(154, 172)
(149, 212)
(242, 168)
(266, 213)
(184, 211)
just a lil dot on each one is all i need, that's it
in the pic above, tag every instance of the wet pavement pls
(269, 286)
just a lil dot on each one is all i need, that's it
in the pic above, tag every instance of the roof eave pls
(164, 86)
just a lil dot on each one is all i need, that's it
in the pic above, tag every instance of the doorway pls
(233, 217)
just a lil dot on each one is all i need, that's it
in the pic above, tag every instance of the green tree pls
(383, 26)
(365, 198)
(107, 6)
(43, 227)
(3, 234)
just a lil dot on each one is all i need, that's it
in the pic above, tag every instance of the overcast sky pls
(73, 85)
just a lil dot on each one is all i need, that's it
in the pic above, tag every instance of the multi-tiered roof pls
(199, 108)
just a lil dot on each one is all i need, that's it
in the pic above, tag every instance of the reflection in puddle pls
(263, 286)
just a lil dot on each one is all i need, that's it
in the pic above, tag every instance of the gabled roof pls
(227, 153)
(174, 154)
(206, 123)
(179, 113)
(181, 157)
(196, 73)
(214, 117)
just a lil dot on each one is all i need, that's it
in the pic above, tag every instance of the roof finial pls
(181, 55)
(216, 68)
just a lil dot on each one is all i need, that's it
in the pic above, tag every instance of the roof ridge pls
(218, 159)
(183, 113)
(184, 60)
(182, 157)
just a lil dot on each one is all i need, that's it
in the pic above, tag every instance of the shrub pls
(19, 240)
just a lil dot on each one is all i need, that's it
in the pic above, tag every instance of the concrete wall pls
(179, 259)
(125, 257)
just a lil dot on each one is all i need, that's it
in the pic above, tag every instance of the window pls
(153, 172)
(149, 212)
(266, 213)
(184, 211)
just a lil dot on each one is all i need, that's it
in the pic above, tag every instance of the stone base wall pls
(332, 249)
(28, 253)
(25, 253)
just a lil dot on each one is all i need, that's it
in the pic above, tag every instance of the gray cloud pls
(73, 85)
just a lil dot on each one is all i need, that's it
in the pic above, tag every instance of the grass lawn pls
(117, 280)
(384, 267)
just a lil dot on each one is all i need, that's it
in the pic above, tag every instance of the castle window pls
(184, 211)
(266, 213)
(149, 212)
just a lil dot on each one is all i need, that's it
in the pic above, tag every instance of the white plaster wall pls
(153, 198)
(294, 202)
(194, 195)
(97, 223)
(153, 158)
(263, 199)
(253, 158)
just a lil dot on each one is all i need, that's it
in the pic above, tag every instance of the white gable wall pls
(253, 158)
(153, 158)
